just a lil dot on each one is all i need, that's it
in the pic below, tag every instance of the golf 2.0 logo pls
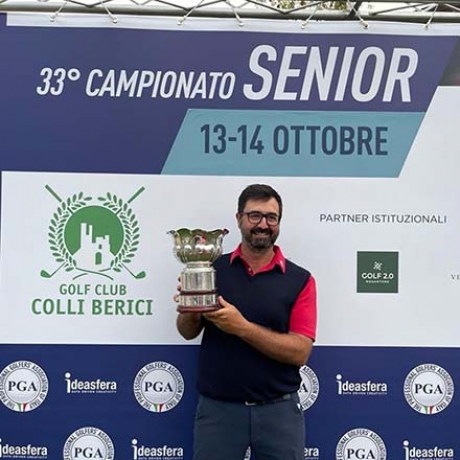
(158, 387)
(88, 443)
(377, 272)
(360, 444)
(428, 389)
(23, 386)
(309, 387)
(93, 235)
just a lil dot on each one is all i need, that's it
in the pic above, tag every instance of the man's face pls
(262, 235)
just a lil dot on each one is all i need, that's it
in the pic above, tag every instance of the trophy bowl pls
(198, 249)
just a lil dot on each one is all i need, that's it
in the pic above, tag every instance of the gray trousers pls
(224, 430)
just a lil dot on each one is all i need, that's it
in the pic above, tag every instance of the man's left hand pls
(227, 318)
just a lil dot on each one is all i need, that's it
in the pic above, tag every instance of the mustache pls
(263, 231)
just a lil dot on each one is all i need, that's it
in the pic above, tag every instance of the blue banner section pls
(113, 100)
(96, 386)
(275, 143)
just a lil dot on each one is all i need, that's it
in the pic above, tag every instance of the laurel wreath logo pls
(130, 226)
(57, 227)
(121, 209)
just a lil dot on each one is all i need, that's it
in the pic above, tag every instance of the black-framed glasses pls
(255, 217)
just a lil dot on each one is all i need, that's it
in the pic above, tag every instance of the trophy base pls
(197, 301)
(198, 308)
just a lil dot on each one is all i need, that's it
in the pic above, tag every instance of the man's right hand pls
(189, 325)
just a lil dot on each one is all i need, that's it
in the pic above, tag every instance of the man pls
(253, 346)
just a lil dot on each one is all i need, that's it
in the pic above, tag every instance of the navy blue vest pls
(229, 368)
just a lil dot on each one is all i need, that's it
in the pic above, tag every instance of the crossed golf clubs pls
(47, 274)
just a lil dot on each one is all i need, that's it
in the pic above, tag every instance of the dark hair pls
(258, 192)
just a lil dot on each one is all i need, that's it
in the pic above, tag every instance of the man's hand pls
(189, 325)
(227, 318)
(287, 348)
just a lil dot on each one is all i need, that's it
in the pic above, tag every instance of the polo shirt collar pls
(277, 260)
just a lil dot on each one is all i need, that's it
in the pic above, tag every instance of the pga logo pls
(361, 444)
(23, 386)
(309, 387)
(88, 443)
(158, 387)
(428, 389)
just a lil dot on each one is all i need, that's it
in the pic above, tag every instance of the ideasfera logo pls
(377, 272)
(359, 444)
(158, 387)
(28, 452)
(89, 386)
(88, 443)
(430, 453)
(428, 389)
(369, 388)
(311, 453)
(141, 452)
(309, 387)
(23, 386)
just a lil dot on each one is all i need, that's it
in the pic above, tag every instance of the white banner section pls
(384, 253)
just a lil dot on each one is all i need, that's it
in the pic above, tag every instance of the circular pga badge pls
(428, 389)
(88, 442)
(309, 387)
(158, 387)
(23, 386)
(360, 443)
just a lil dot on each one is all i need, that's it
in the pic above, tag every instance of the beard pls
(260, 239)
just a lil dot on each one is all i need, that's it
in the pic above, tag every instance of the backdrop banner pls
(111, 135)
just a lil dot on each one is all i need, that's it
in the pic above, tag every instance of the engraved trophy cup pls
(198, 249)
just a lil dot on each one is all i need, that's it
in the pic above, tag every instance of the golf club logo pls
(309, 388)
(98, 236)
(23, 386)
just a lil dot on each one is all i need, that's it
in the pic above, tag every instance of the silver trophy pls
(198, 249)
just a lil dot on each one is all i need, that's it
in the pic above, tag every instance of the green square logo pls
(378, 272)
